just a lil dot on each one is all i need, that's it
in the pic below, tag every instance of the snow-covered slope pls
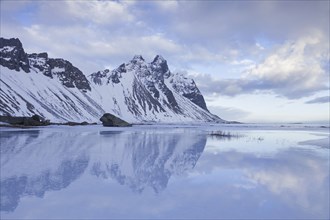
(52, 88)
(55, 89)
(142, 91)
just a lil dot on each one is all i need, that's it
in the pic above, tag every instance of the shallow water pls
(163, 172)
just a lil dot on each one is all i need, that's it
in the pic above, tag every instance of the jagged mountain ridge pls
(34, 84)
(136, 91)
(151, 92)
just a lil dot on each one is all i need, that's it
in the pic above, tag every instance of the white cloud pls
(93, 46)
(146, 45)
(293, 70)
(245, 62)
(167, 5)
(296, 67)
(100, 12)
(293, 58)
(259, 46)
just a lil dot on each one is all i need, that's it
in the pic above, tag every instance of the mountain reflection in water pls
(155, 172)
(34, 162)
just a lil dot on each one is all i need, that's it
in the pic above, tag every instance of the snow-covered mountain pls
(136, 91)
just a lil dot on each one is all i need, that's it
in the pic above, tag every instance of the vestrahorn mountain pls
(136, 91)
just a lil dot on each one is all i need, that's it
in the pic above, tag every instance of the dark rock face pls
(160, 68)
(113, 76)
(35, 120)
(196, 98)
(109, 120)
(39, 62)
(69, 75)
(97, 77)
(13, 55)
(116, 74)
(188, 88)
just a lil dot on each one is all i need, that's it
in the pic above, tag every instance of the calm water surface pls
(152, 172)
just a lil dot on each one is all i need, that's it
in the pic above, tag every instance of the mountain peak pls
(159, 65)
(13, 55)
(158, 59)
(138, 58)
(10, 42)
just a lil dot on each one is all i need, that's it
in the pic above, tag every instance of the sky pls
(254, 61)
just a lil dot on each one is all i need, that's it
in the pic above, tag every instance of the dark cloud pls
(319, 100)
(234, 87)
(222, 24)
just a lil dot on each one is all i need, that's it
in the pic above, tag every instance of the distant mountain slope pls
(136, 91)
